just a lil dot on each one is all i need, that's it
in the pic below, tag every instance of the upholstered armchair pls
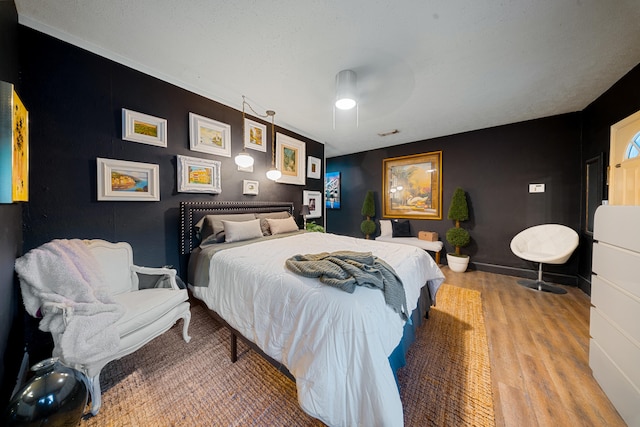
(133, 316)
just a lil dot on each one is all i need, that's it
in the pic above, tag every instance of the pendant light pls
(273, 174)
(243, 159)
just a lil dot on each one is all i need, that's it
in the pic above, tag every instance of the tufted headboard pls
(192, 212)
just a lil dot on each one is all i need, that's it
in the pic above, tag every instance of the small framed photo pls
(127, 181)
(313, 199)
(250, 187)
(209, 136)
(143, 128)
(290, 159)
(255, 135)
(197, 175)
(313, 167)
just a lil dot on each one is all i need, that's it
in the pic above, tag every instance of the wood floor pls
(539, 350)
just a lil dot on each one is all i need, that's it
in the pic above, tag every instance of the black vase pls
(55, 396)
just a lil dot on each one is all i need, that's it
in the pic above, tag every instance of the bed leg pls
(234, 348)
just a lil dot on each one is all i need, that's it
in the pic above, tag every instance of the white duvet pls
(334, 343)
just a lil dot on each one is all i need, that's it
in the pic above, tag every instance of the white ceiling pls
(428, 68)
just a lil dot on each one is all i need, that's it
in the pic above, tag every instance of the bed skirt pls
(398, 359)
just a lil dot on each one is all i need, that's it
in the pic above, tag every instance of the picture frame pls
(313, 199)
(290, 160)
(143, 128)
(313, 167)
(412, 186)
(209, 136)
(14, 146)
(255, 135)
(332, 190)
(250, 188)
(196, 175)
(120, 180)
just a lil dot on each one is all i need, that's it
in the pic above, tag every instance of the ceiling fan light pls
(346, 81)
(274, 174)
(244, 160)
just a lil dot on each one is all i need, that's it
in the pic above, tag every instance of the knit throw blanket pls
(347, 269)
(64, 276)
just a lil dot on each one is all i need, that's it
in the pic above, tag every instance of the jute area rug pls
(171, 383)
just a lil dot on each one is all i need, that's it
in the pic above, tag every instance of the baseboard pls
(562, 279)
(584, 284)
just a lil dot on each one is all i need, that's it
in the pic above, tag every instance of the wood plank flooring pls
(539, 351)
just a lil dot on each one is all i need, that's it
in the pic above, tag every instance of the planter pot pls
(458, 263)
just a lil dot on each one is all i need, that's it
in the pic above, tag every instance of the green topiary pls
(458, 211)
(367, 226)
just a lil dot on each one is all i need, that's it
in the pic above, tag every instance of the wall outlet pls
(536, 188)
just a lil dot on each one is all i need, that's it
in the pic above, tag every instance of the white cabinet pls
(614, 349)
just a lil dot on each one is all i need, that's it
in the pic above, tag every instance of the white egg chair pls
(545, 244)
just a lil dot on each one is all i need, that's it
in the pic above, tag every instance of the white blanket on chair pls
(81, 318)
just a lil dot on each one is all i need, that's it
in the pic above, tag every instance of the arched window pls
(633, 150)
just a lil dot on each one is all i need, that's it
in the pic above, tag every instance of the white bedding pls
(334, 343)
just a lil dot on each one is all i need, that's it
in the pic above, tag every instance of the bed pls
(341, 348)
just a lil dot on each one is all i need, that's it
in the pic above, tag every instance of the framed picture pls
(412, 186)
(127, 181)
(255, 135)
(14, 146)
(143, 128)
(209, 136)
(313, 167)
(313, 199)
(250, 187)
(290, 159)
(332, 190)
(197, 175)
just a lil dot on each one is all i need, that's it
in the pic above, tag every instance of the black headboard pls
(192, 212)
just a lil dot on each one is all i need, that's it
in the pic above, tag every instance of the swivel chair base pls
(541, 285)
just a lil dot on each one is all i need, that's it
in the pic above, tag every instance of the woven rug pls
(171, 383)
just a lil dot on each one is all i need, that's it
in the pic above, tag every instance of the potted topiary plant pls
(458, 236)
(367, 226)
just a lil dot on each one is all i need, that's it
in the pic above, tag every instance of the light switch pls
(536, 188)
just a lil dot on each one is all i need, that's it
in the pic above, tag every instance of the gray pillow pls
(212, 225)
(236, 231)
(264, 224)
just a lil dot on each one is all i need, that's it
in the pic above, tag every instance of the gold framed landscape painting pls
(197, 175)
(412, 186)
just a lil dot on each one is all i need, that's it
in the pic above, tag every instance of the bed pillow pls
(264, 225)
(386, 230)
(279, 226)
(211, 225)
(401, 228)
(235, 231)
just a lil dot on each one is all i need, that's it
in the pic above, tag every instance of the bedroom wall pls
(620, 101)
(75, 99)
(11, 335)
(494, 166)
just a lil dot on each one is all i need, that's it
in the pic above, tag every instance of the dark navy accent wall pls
(495, 167)
(75, 99)
(11, 312)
